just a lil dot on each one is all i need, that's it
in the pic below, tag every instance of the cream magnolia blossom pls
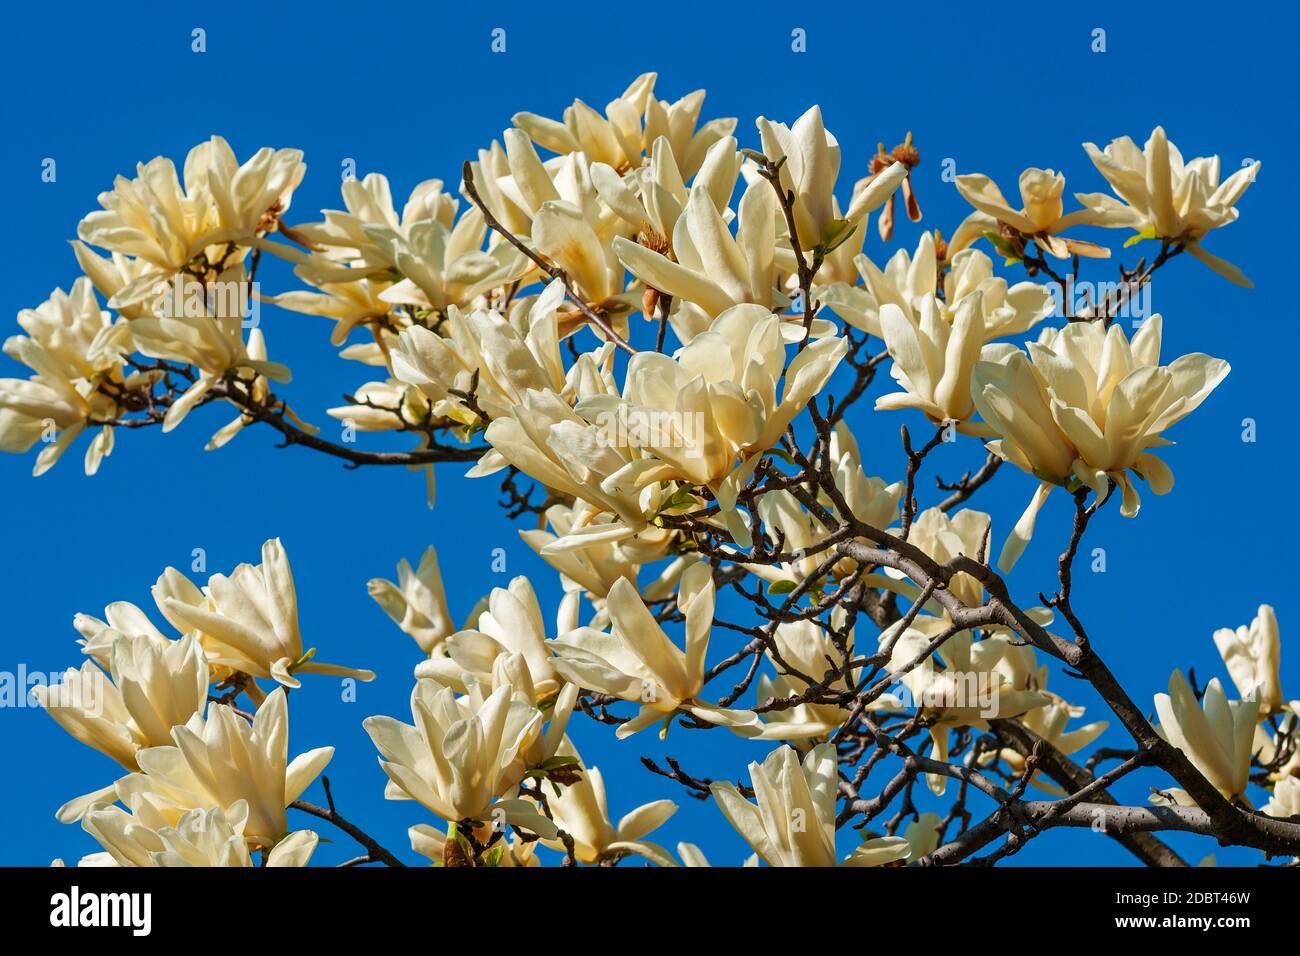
(710, 271)
(631, 123)
(368, 202)
(417, 603)
(1042, 215)
(440, 266)
(636, 660)
(155, 686)
(908, 280)
(462, 757)
(967, 690)
(568, 223)
(1285, 801)
(933, 359)
(482, 353)
(72, 348)
(1251, 655)
(199, 838)
(594, 564)
(155, 220)
(1050, 721)
(793, 821)
(718, 398)
(1087, 405)
(581, 810)
(512, 624)
(652, 198)
(1215, 734)
(923, 835)
(248, 621)
(1163, 197)
(809, 157)
(551, 442)
(869, 500)
(808, 649)
(193, 772)
(205, 331)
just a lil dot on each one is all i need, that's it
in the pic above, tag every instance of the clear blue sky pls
(411, 92)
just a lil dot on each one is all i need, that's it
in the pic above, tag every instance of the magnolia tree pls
(655, 339)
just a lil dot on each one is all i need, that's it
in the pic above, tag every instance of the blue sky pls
(411, 93)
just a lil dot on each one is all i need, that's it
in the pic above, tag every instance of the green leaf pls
(781, 587)
(836, 233)
(495, 855)
(1148, 233)
(681, 498)
(559, 760)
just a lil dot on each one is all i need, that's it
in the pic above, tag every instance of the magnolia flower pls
(619, 138)
(1285, 801)
(811, 165)
(966, 690)
(580, 810)
(1251, 655)
(202, 326)
(206, 837)
(461, 756)
(248, 622)
(869, 500)
(637, 662)
(512, 624)
(1041, 217)
(923, 834)
(710, 270)
(417, 603)
(343, 235)
(152, 218)
(567, 222)
(1086, 405)
(440, 266)
(808, 649)
(155, 687)
(349, 304)
(1215, 735)
(383, 406)
(482, 353)
(651, 199)
(72, 347)
(195, 772)
(572, 456)
(577, 546)
(1164, 198)
(933, 359)
(909, 281)
(793, 821)
(718, 396)
(1278, 750)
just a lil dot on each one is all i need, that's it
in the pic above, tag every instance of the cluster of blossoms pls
(663, 474)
